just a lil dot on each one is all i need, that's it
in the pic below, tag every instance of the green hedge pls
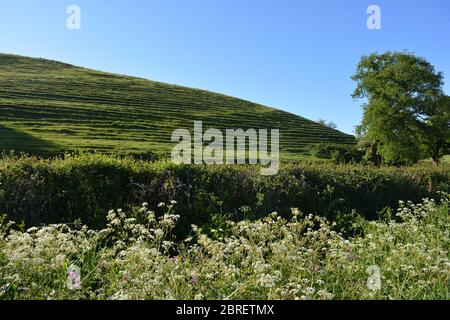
(86, 186)
(338, 153)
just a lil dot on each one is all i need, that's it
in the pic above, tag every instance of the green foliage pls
(320, 150)
(407, 114)
(85, 186)
(340, 154)
(369, 151)
(436, 135)
(349, 224)
(49, 108)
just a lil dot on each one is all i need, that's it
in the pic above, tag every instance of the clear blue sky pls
(293, 55)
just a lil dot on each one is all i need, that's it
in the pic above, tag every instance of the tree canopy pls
(329, 124)
(406, 113)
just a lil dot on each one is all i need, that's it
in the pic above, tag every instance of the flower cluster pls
(303, 257)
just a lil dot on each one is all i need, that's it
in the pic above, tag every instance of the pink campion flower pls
(193, 279)
(73, 278)
(126, 277)
(315, 268)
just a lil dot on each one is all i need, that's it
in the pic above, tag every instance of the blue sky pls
(293, 55)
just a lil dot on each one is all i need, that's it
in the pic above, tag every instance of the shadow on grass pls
(18, 141)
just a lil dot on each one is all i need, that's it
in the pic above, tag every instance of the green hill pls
(49, 107)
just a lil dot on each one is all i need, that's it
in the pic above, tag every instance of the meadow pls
(91, 207)
(299, 257)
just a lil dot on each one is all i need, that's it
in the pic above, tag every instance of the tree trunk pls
(375, 157)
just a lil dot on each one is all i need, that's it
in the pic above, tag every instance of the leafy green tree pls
(369, 149)
(436, 135)
(406, 113)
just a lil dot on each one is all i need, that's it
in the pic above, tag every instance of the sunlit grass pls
(70, 109)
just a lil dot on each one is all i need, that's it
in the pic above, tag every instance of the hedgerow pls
(83, 187)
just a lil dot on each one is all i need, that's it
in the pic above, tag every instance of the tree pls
(406, 113)
(369, 149)
(330, 124)
(436, 137)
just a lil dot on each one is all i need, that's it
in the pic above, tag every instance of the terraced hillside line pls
(70, 108)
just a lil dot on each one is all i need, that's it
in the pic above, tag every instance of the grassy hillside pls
(50, 107)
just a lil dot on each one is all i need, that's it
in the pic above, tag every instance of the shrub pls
(84, 187)
(338, 153)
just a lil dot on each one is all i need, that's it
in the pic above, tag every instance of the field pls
(86, 212)
(49, 108)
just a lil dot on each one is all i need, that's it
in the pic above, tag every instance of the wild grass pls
(68, 108)
(302, 257)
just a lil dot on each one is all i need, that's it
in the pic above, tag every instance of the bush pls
(84, 187)
(340, 154)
